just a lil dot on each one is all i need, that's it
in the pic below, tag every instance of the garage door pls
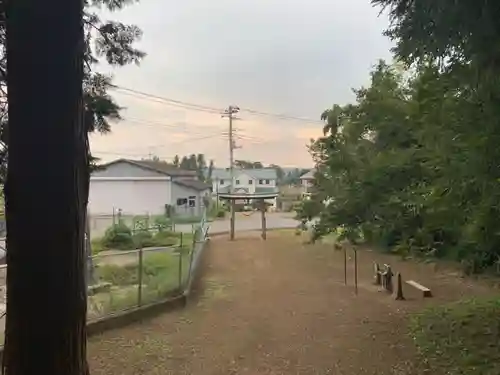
(132, 197)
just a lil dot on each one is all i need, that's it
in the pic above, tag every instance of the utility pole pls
(230, 112)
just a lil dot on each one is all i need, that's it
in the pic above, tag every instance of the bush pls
(166, 238)
(96, 246)
(118, 236)
(143, 238)
(157, 263)
(119, 275)
(162, 223)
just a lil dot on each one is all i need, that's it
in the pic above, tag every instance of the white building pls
(307, 182)
(250, 181)
(139, 187)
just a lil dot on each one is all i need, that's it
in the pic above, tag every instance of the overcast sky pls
(291, 57)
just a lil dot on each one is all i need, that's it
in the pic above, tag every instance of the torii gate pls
(261, 197)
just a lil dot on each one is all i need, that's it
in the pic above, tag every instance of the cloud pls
(285, 57)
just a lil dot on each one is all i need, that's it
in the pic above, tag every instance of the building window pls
(261, 182)
(267, 182)
(237, 182)
(181, 201)
(192, 201)
(222, 182)
(250, 182)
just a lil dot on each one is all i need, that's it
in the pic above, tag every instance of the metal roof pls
(155, 166)
(193, 184)
(308, 175)
(258, 174)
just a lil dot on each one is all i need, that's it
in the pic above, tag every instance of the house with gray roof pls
(139, 187)
(249, 181)
(307, 182)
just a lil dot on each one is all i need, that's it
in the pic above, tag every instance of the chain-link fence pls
(122, 280)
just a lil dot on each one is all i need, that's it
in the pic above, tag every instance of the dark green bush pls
(166, 238)
(118, 236)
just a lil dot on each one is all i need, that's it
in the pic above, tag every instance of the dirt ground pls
(281, 307)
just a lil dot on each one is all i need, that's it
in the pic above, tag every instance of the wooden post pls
(180, 263)
(345, 265)
(388, 280)
(263, 213)
(139, 287)
(378, 278)
(356, 271)
(399, 294)
(233, 217)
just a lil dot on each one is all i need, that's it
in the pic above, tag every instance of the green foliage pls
(143, 238)
(412, 165)
(162, 223)
(461, 338)
(97, 246)
(119, 275)
(105, 41)
(220, 212)
(118, 236)
(166, 238)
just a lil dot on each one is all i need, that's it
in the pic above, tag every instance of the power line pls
(204, 108)
(173, 102)
(170, 144)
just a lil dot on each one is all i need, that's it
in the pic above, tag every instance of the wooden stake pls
(233, 218)
(345, 265)
(356, 271)
(263, 216)
(378, 277)
(399, 293)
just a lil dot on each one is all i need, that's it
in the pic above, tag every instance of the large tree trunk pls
(46, 190)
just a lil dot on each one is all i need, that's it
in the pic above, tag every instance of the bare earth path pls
(275, 307)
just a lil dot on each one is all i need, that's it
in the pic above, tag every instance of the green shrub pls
(157, 263)
(118, 236)
(166, 238)
(143, 238)
(162, 223)
(96, 246)
(221, 212)
(119, 275)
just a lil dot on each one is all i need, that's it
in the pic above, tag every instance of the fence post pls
(139, 287)
(356, 270)
(192, 256)
(180, 264)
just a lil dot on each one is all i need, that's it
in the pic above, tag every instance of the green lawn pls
(460, 338)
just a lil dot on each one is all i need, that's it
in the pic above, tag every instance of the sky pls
(285, 57)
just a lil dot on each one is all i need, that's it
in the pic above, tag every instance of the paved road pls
(253, 222)
(243, 222)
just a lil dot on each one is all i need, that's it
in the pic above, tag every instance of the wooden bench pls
(425, 291)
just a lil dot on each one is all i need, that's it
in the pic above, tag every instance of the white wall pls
(133, 197)
(184, 192)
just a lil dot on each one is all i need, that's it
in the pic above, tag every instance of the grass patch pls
(460, 338)
(160, 279)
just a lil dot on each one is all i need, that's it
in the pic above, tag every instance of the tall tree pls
(192, 162)
(246, 164)
(280, 174)
(201, 165)
(210, 171)
(47, 172)
(109, 40)
(176, 161)
(184, 164)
